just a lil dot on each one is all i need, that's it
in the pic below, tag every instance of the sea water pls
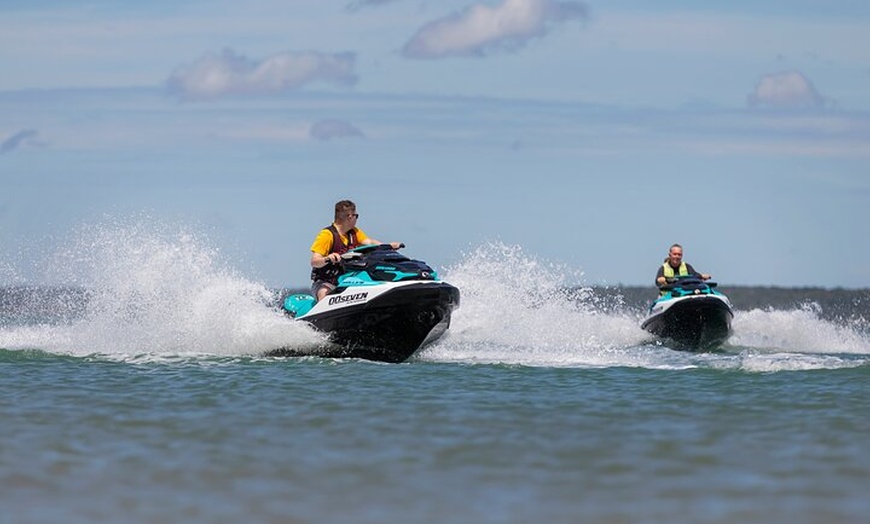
(147, 399)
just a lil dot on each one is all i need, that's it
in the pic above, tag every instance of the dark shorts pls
(321, 284)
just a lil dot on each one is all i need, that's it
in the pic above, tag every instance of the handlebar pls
(359, 251)
(684, 282)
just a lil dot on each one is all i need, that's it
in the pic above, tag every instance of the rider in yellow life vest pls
(333, 240)
(674, 266)
(668, 271)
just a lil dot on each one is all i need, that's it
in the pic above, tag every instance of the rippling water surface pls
(150, 402)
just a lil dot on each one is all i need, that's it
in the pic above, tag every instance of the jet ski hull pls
(692, 322)
(387, 323)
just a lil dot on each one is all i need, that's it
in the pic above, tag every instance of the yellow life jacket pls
(669, 271)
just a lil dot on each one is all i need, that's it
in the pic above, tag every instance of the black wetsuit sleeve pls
(659, 273)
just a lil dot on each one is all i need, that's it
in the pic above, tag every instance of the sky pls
(587, 135)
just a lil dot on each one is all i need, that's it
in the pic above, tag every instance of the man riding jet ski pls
(690, 313)
(374, 302)
(385, 307)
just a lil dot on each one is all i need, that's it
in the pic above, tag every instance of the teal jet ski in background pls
(690, 315)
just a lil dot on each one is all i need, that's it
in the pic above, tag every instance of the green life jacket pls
(669, 271)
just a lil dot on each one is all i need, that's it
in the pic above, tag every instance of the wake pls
(162, 292)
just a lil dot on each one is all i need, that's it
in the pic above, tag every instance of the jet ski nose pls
(426, 316)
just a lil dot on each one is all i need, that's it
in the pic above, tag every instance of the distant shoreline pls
(834, 303)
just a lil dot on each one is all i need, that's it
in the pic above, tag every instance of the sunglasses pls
(353, 215)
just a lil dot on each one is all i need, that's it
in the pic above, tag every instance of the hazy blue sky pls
(589, 134)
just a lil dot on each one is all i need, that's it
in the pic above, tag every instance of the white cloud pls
(228, 73)
(482, 28)
(786, 90)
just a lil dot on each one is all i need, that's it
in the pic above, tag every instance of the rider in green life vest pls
(674, 266)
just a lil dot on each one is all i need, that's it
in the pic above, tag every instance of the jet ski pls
(385, 307)
(691, 315)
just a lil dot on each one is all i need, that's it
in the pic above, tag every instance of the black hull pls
(390, 328)
(695, 324)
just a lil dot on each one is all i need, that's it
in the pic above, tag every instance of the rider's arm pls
(660, 277)
(318, 260)
(702, 276)
(320, 255)
(368, 241)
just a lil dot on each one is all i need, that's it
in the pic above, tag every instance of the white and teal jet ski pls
(690, 315)
(385, 307)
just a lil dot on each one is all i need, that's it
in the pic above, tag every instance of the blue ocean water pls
(544, 403)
